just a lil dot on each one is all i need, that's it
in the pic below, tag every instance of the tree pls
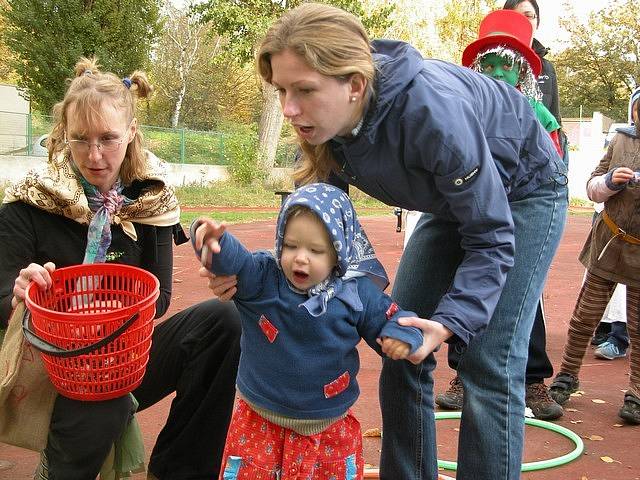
(7, 74)
(437, 29)
(601, 66)
(47, 38)
(244, 22)
(198, 84)
(458, 27)
(176, 55)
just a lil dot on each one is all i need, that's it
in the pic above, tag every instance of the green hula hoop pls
(529, 466)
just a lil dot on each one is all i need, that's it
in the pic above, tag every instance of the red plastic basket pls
(86, 304)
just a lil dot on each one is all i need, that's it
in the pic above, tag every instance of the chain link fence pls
(26, 134)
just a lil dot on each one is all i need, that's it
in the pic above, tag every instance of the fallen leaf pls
(618, 425)
(456, 429)
(576, 421)
(597, 400)
(595, 438)
(571, 410)
(372, 432)
(577, 394)
(608, 460)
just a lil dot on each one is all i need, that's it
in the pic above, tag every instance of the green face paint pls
(500, 68)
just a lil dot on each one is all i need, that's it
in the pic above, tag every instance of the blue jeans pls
(492, 368)
(619, 335)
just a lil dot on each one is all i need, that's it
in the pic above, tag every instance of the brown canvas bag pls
(26, 393)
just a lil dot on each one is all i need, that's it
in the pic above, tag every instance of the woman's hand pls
(223, 286)
(434, 334)
(39, 274)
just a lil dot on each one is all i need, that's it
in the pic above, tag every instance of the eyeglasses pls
(82, 146)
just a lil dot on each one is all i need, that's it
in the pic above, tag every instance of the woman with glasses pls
(103, 197)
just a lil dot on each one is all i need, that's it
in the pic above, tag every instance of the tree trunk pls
(269, 128)
(175, 118)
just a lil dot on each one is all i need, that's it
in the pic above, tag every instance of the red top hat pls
(504, 27)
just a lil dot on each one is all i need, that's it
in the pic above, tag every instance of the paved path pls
(601, 380)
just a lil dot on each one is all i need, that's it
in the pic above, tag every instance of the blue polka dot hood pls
(356, 256)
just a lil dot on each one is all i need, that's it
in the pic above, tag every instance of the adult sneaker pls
(453, 398)
(563, 386)
(541, 404)
(630, 411)
(610, 351)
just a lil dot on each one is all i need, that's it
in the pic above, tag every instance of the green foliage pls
(241, 152)
(458, 27)
(197, 82)
(244, 22)
(48, 37)
(601, 67)
(206, 148)
(7, 74)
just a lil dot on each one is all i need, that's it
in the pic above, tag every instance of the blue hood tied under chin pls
(356, 257)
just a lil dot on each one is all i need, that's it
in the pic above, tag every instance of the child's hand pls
(622, 175)
(394, 349)
(206, 239)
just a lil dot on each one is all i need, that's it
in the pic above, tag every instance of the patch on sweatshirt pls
(392, 310)
(339, 385)
(467, 177)
(270, 331)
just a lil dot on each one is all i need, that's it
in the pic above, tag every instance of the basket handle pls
(55, 351)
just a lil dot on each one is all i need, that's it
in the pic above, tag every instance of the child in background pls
(610, 256)
(611, 337)
(304, 310)
(503, 51)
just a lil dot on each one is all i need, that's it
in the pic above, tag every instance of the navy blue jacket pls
(443, 139)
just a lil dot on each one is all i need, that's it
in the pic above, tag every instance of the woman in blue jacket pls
(430, 136)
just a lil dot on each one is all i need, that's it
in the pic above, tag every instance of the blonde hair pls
(86, 92)
(332, 42)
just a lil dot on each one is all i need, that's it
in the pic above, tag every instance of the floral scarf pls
(57, 189)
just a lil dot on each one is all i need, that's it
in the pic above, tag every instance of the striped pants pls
(590, 306)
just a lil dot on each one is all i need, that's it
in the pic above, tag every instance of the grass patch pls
(230, 194)
(254, 215)
(229, 217)
(226, 194)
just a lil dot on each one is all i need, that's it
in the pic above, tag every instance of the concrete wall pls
(13, 119)
(11, 100)
(13, 168)
(586, 130)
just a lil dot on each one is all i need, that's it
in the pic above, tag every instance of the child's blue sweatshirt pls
(291, 362)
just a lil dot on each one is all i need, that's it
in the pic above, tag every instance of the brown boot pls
(453, 398)
(541, 404)
(630, 411)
